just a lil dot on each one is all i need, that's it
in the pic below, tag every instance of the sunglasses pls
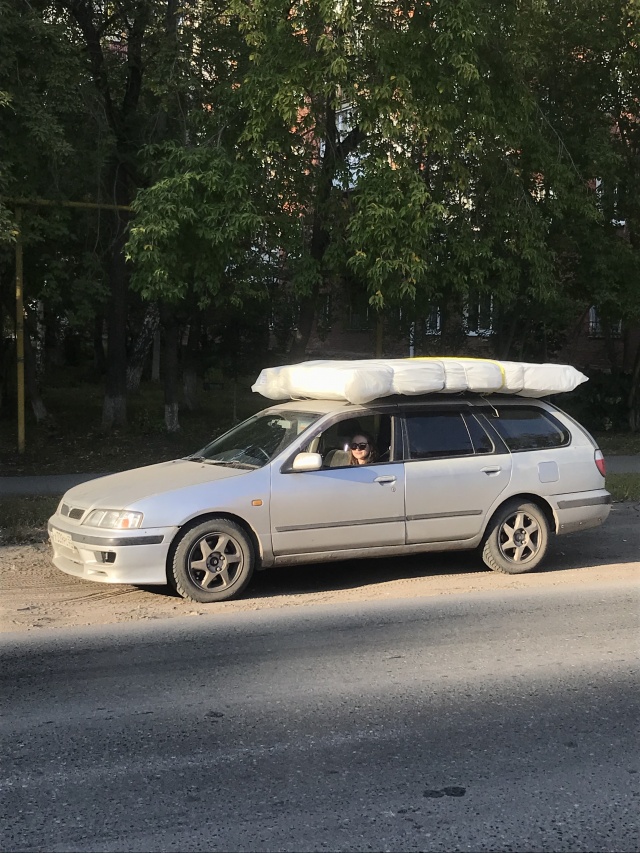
(362, 446)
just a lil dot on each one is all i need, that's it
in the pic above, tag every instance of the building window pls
(597, 328)
(479, 314)
(432, 322)
(359, 313)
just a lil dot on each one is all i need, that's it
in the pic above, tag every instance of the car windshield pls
(256, 441)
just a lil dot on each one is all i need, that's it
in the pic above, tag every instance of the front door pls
(338, 508)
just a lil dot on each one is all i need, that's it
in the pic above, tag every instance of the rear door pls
(454, 472)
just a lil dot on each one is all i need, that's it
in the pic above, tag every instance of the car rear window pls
(433, 434)
(525, 428)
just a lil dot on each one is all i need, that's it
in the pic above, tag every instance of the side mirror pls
(307, 462)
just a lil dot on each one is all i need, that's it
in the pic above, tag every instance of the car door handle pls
(389, 478)
(492, 470)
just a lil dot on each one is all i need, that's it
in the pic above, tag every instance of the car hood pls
(118, 491)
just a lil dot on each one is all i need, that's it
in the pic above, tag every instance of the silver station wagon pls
(498, 473)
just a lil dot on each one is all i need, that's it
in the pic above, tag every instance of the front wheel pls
(212, 561)
(518, 539)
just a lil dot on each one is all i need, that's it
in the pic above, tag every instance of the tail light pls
(599, 460)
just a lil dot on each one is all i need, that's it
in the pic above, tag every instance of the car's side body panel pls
(448, 499)
(341, 508)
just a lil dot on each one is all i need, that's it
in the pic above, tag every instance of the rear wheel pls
(212, 561)
(518, 539)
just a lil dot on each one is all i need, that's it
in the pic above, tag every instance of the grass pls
(619, 443)
(624, 487)
(73, 442)
(23, 520)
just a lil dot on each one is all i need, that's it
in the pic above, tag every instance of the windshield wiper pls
(231, 463)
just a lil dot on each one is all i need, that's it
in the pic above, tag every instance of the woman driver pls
(361, 449)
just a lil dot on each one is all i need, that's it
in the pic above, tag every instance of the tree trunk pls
(99, 357)
(170, 371)
(142, 346)
(630, 344)
(633, 401)
(610, 349)
(31, 381)
(305, 326)
(507, 331)
(53, 351)
(452, 333)
(155, 356)
(190, 367)
(114, 412)
(335, 152)
(379, 335)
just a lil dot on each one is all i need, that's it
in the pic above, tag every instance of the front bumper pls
(111, 556)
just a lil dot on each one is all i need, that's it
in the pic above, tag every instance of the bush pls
(601, 404)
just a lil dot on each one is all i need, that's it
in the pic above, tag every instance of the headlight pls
(115, 519)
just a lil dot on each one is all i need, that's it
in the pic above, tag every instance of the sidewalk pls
(57, 484)
(623, 464)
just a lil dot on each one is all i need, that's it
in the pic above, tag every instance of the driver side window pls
(334, 442)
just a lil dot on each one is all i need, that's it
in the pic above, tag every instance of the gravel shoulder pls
(36, 595)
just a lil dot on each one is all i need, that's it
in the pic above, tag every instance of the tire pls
(212, 561)
(518, 538)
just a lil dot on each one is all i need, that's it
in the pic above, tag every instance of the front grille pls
(75, 512)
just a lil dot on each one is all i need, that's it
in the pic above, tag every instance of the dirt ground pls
(36, 595)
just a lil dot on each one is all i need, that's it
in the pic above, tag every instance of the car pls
(497, 473)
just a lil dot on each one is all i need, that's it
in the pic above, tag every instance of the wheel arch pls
(523, 497)
(206, 516)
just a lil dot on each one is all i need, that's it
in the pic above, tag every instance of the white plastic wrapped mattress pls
(368, 379)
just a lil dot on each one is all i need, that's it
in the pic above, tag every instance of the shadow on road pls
(618, 541)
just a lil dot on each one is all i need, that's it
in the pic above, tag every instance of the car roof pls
(323, 407)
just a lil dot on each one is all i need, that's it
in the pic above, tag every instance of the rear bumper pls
(581, 510)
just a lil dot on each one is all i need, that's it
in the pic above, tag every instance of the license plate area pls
(59, 537)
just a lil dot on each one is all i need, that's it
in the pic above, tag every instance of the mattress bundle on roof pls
(369, 379)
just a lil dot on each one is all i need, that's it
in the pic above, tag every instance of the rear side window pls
(436, 434)
(529, 428)
(481, 441)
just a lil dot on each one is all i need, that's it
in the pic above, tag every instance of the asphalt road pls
(491, 721)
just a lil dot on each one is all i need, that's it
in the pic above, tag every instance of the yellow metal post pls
(20, 330)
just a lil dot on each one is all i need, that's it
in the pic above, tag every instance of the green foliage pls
(624, 487)
(389, 234)
(196, 227)
(431, 154)
(601, 403)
